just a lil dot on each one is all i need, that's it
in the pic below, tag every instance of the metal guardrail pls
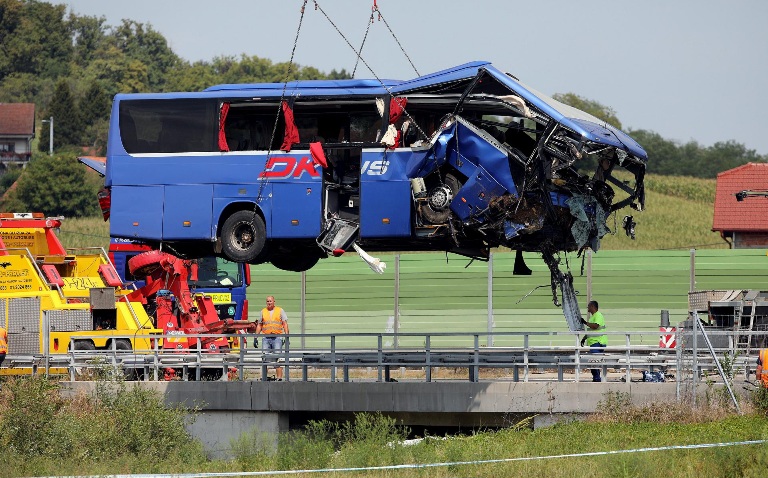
(328, 356)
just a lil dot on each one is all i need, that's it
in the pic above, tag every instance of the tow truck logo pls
(4, 264)
(283, 167)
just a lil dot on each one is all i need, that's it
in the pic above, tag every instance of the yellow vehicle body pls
(52, 300)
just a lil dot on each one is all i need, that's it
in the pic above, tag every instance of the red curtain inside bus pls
(396, 106)
(318, 155)
(223, 146)
(291, 132)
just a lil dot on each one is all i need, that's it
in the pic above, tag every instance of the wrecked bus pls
(460, 160)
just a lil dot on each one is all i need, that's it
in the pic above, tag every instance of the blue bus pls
(461, 160)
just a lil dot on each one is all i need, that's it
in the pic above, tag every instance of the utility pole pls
(50, 136)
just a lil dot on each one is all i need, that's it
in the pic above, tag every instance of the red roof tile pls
(17, 118)
(748, 215)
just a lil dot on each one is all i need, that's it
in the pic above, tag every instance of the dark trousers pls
(596, 349)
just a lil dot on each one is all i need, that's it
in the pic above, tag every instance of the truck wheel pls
(243, 236)
(83, 345)
(142, 265)
(123, 344)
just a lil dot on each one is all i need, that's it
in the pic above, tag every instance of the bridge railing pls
(525, 356)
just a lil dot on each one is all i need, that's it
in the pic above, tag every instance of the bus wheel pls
(294, 263)
(243, 236)
(437, 210)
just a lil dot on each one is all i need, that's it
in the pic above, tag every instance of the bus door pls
(385, 193)
(341, 183)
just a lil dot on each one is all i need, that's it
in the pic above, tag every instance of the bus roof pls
(583, 123)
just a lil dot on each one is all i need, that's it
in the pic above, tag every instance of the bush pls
(44, 433)
(56, 186)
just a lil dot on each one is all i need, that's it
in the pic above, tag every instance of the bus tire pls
(243, 236)
(445, 192)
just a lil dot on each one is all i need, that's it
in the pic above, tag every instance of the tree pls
(35, 39)
(148, 47)
(94, 116)
(94, 106)
(598, 110)
(66, 119)
(55, 185)
(692, 159)
(89, 36)
(195, 77)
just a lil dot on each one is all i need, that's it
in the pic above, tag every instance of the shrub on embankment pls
(124, 429)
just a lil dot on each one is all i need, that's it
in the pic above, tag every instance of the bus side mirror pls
(247, 274)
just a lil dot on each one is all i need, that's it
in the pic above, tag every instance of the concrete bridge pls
(230, 409)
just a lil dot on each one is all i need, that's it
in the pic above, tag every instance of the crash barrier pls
(330, 358)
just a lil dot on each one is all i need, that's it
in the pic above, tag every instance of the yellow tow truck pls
(53, 300)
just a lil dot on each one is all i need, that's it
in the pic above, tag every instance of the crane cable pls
(375, 10)
(360, 51)
(381, 17)
(418, 128)
(264, 180)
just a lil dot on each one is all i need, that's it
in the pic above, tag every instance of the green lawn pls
(632, 287)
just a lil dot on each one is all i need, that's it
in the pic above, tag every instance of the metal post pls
(490, 300)
(396, 328)
(50, 135)
(303, 309)
(695, 358)
(720, 370)
(46, 343)
(693, 272)
(589, 275)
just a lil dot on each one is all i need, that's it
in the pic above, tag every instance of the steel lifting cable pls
(264, 179)
(360, 52)
(375, 10)
(318, 7)
(381, 17)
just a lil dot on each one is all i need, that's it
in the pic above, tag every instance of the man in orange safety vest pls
(273, 321)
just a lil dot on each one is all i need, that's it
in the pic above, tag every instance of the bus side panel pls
(137, 211)
(296, 210)
(385, 209)
(188, 211)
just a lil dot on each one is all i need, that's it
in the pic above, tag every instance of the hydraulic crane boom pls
(180, 312)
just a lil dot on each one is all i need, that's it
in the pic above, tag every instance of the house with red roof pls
(17, 128)
(742, 223)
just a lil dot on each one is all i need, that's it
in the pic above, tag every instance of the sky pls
(690, 70)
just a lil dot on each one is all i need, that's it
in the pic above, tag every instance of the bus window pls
(249, 127)
(168, 126)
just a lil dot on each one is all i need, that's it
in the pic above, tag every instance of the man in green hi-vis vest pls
(595, 342)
